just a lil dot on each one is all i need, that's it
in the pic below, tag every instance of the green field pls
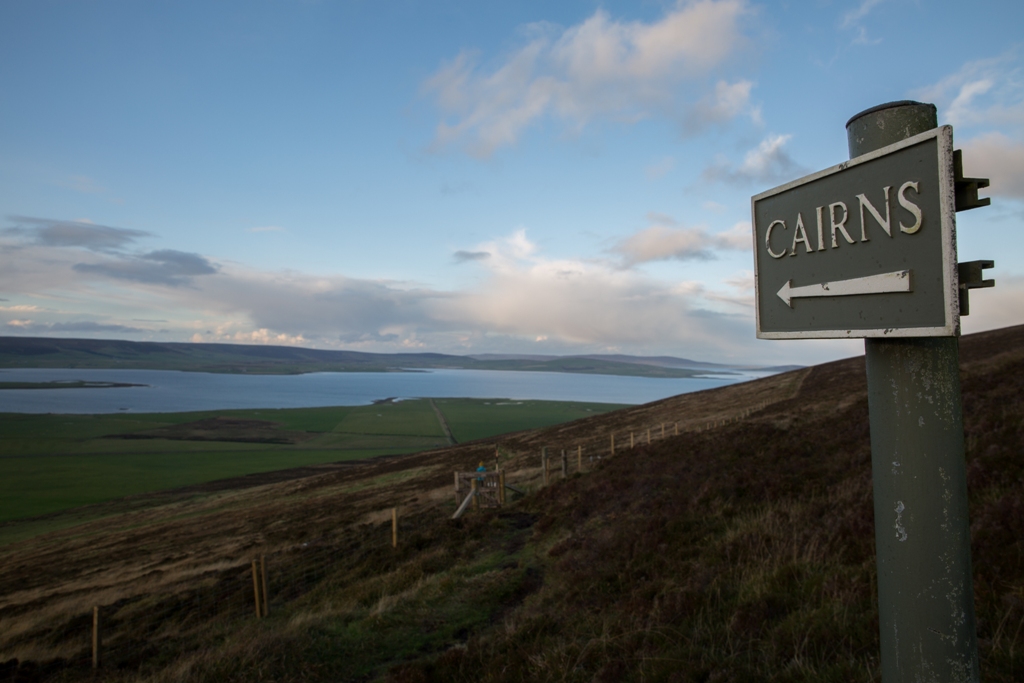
(472, 419)
(50, 463)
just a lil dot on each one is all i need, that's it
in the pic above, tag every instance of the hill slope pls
(740, 552)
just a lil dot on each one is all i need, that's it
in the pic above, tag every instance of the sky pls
(463, 177)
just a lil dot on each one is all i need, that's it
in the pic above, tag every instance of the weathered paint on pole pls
(922, 535)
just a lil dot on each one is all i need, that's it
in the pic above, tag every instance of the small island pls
(67, 384)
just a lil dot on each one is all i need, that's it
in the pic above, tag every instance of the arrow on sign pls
(884, 283)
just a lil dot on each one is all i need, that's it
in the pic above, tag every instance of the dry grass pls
(738, 553)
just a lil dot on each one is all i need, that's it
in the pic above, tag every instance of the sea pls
(165, 391)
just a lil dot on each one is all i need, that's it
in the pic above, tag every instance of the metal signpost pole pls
(922, 534)
(867, 249)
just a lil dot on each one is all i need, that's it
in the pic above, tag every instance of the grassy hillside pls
(739, 550)
(39, 352)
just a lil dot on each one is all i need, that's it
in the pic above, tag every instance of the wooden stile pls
(465, 503)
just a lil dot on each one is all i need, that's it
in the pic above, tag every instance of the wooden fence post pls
(565, 465)
(631, 440)
(579, 458)
(501, 487)
(613, 444)
(256, 588)
(394, 527)
(263, 577)
(544, 463)
(95, 637)
(677, 429)
(648, 436)
(472, 491)
(457, 501)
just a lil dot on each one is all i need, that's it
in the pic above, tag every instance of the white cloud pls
(260, 336)
(742, 281)
(73, 327)
(462, 256)
(81, 233)
(854, 18)
(997, 157)
(985, 93)
(728, 101)
(985, 98)
(589, 304)
(667, 240)
(519, 295)
(1000, 306)
(740, 236)
(660, 168)
(769, 162)
(599, 68)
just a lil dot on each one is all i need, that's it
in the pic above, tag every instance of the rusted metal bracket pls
(971, 277)
(966, 189)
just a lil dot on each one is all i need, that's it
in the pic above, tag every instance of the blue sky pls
(462, 177)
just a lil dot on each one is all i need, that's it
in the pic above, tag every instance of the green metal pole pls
(922, 535)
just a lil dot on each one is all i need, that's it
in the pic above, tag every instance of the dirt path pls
(444, 423)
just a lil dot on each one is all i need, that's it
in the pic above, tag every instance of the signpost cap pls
(888, 123)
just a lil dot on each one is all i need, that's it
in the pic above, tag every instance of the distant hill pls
(41, 352)
(658, 361)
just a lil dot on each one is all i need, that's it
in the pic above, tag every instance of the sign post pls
(868, 249)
